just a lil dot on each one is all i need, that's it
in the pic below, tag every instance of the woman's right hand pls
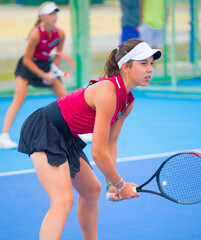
(47, 79)
(126, 193)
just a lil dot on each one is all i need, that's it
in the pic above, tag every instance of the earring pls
(127, 76)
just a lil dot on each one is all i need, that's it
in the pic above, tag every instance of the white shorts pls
(154, 37)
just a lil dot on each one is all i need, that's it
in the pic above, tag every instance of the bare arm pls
(31, 46)
(105, 105)
(56, 59)
(105, 137)
(114, 134)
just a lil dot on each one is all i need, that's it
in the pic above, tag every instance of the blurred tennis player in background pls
(34, 67)
(50, 137)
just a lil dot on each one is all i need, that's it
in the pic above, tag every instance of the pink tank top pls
(80, 117)
(46, 45)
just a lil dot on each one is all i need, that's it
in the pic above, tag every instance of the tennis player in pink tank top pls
(33, 68)
(50, 136)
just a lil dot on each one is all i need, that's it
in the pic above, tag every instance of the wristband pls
(122, 188)
(118, 183)
(108, 186)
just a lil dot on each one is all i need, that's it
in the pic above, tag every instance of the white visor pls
(140, 52)
(49, 8)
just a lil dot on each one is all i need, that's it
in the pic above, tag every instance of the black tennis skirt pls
(33, 79)
(45, 130)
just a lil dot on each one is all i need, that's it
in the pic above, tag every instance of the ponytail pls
(37, 23)
(111, 68)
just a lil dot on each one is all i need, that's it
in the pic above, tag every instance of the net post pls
(80, 40)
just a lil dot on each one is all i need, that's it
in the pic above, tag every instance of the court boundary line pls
(119, 160)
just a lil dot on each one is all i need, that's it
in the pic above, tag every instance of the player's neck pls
(49, 28)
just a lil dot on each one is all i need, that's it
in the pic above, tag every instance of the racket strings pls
(65, 69)
(65, 66)
(180, 178)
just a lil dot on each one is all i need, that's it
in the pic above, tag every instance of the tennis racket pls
(64, 68)
(178, 179)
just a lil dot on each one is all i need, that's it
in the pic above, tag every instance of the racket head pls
(179, 178)
(66, 67)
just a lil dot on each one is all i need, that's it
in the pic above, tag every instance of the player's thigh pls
(55, 179)
(86, 183)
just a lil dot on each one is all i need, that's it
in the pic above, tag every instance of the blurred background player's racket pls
(64, 67)
(178, 179)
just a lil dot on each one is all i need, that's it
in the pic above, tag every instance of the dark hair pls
(111, 68)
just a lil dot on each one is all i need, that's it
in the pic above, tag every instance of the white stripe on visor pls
(140, 52)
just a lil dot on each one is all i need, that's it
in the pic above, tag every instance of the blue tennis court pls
(155, 129)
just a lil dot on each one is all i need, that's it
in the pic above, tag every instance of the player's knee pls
(98, 190)
(67, 201)
(94, 192)
(63, 203)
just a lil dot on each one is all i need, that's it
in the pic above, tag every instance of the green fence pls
(182, 55)
(181, 49)
(93, 30)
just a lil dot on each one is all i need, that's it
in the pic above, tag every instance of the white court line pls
(127, 159)
(17, 172)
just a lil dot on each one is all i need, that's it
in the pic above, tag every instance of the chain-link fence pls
(182, 38)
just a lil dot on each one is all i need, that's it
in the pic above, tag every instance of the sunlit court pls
(165, 120)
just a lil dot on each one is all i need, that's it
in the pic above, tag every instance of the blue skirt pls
(45, 130)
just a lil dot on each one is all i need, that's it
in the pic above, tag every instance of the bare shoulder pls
(102, 93)
(106, 86)
(61, 33)
(104, 89)
(34, 38)
(35, 35)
